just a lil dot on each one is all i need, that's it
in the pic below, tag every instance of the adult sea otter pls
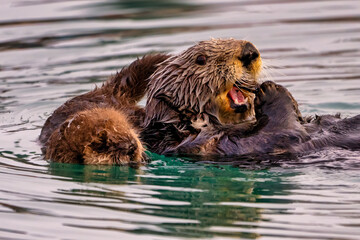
(207, 101)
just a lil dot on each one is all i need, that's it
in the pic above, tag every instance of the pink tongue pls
(236, 96)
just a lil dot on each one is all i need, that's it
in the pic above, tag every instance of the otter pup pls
(101, 126)
(101, 136)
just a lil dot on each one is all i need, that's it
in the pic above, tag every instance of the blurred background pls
(53, 50)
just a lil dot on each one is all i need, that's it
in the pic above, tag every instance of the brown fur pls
(188, 111)
(101, 111)
(186, 98)
(101, 136)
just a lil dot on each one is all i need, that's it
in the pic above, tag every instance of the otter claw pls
(266, 91)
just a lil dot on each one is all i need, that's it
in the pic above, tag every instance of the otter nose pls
(249, 54)
(132, 148)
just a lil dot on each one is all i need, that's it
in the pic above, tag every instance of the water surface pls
(51, 51)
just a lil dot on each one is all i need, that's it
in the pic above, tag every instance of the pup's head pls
(99, 136)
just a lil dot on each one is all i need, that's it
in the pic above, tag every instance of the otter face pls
(216, 77)
(111, 148)
(99, 136)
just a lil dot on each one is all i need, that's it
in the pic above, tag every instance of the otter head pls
(213, 78)
(100, 136)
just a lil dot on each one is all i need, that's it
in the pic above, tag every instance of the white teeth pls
(242, 102)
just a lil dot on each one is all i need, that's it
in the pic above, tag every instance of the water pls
(53, 50)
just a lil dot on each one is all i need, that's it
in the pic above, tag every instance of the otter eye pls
(201, 60)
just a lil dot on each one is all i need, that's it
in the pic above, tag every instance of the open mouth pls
(238, 101)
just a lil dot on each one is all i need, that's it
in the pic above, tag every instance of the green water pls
(52, 51)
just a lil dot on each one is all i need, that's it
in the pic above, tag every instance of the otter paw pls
(269, 92)
(272, 98)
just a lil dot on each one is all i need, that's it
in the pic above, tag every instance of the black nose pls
(132, 147)
(131, 150)
(249, 54)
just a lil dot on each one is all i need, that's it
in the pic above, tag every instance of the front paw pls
(269, 92)
(277, 103)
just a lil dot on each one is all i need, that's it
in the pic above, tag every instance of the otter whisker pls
(268, 72)
(250, 86)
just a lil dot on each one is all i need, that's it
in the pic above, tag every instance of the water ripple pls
(51, 52)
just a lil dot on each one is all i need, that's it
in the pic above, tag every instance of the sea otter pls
(96, 136)
(102, 126)
(195, 103)
(205, 101)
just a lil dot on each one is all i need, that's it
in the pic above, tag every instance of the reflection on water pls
(172, 192)
(51, 51)
(173, 198)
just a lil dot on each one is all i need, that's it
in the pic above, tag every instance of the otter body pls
(190, 108)
(279, 129)
(205, 101)
(97, 127)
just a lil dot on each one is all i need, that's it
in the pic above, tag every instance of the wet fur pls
(182, 114)
(94, 123)
(186, 100)
(181, 94)
(279, 130)
(102, 136)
